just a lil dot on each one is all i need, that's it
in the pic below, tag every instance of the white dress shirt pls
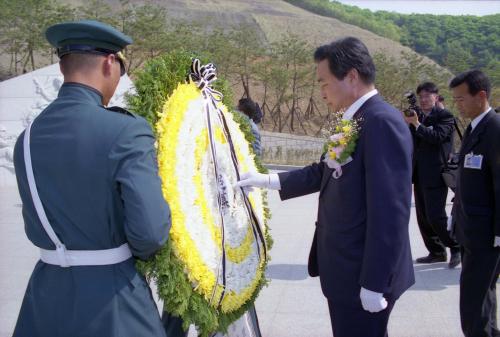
(349, 113)
(476, 120)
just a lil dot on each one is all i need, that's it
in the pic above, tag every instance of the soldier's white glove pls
(372, 301)
(256, 179)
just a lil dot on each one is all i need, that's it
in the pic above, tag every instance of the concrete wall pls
(287, 149)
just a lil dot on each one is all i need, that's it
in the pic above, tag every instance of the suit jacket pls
(96, 175)
(476, 209)
(432, 140)
(362, 228)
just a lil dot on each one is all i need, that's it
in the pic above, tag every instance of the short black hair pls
(429, 87)
(476, 81)
(251, 109)
(72, 63)
(345, 54)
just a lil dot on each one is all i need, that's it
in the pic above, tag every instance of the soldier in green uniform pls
(92, 199)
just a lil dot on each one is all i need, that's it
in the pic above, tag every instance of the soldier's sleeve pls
(147, 215)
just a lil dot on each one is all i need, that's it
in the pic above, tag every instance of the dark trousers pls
(432, 219)
(351, 320)
(478, 302)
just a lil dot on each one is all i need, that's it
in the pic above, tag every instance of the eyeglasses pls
(425, 96)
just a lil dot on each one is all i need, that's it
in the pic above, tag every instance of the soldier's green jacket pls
(97, 177)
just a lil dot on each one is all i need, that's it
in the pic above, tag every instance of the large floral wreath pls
(212, 267)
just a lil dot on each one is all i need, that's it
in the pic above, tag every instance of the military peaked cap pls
(86, 36)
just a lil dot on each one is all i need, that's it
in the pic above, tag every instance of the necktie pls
(421, 116)
(467, 131)
(466, 135)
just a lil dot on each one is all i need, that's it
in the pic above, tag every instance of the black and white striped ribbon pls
(203, 76)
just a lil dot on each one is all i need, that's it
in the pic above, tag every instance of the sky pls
(452, 7)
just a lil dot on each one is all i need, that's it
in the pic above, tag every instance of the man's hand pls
(255, 179)
(497, 241)
(372, 301)
(449, 223)
(412, 120)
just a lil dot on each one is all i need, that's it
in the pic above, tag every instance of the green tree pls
(457, 57)
(23, 28)
(217, 47)
(394, 78)
(247, 47)
(294, 55)
(456, 42)
(98, 10)
(263, 72)
(146, 25)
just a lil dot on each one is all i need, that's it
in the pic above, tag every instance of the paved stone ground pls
(293, 305)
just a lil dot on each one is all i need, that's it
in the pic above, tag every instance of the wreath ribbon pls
(203, 76)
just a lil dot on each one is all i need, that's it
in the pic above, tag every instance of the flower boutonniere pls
(342, 136)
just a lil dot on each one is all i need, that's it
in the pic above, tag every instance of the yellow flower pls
(168, 128)
(346, 128)
(239, 254)
(219, 135)
(332, 154)
(203, 279)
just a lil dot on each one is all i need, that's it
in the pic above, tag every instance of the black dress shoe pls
(454, 260)
(431, 258)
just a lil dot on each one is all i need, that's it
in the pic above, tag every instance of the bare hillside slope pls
(273, 18)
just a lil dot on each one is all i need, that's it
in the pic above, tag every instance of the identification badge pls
(473, 161)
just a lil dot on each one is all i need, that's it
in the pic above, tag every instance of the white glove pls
(255, 179)
(497, 241)
(372, 301)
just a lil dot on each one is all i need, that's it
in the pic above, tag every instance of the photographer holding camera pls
(432, 130)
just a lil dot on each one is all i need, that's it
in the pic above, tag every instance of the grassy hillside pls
(275, 18)
(264, 48)
(456, 42)
(272, 19)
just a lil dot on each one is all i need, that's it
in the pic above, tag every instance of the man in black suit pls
(362, 247)
(476, 209)
(432, 130)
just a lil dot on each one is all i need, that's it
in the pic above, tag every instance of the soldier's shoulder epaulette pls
(120, 110)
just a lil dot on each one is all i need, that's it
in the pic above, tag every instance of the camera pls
(412, 104)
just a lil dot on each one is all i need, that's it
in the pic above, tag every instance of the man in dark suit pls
(476, 209)
(432, 129)
(92, 199)
(363, 250)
